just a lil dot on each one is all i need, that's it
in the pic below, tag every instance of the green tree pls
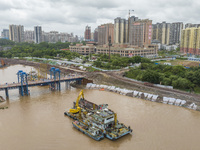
(182, 83)
(37, 53)
(196, 77)
(5, 42)
(173, 77)
(178, 70)
(151, 76)
(166, 81)
(8, 54)
(116, 62)
(98, 64)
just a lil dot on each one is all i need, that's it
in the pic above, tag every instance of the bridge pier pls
(67, 84)
(23, 79)
(53, 86)
(6, 91)
(26, 90)
(78, 82)
(58, 85)
(20, 91)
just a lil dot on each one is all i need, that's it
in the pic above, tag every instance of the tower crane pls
(130, 12)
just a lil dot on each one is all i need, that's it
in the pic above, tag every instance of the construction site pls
(185, 63)
(113, 78)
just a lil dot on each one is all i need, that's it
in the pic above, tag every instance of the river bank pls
(145, 96)
(115, 79)
(166, 96)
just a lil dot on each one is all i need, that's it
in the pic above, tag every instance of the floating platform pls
(96, 120)
(92, 132)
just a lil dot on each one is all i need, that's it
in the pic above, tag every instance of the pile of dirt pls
(190, 63)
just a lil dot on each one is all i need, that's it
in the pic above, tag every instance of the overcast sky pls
(73, 15)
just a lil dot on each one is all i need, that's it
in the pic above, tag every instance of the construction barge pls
(96, 121)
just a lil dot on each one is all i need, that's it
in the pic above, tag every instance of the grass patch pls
(91, 69)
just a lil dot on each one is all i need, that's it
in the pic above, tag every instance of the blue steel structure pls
(55, 74)
(23, 84)
(23, 79)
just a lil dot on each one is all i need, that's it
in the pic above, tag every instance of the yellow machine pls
(115, 119)
(77, 108)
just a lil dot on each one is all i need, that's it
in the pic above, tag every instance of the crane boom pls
(77, 108)
(78, 98)
(115, 119)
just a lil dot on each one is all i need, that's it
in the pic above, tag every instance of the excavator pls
(77, 109)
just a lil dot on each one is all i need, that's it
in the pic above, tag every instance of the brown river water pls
(37, 122)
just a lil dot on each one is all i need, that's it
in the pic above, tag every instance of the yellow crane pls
(115, 118)
(77, 108)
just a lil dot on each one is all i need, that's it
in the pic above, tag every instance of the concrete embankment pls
(164, 95)
(145, 96)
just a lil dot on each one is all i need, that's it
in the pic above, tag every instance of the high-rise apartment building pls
(131, 20)
(175, 32)
(140, 33)
(29, 36)
(161, 32)
(87, 33)
(190, 41)
(104, 31)
(190, 25)
(5, 34)
(38, 34)
(92, 36)
(120, 31)
(16, 33)
(96, 35)
(55, 36)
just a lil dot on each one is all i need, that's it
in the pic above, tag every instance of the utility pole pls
(109, 44)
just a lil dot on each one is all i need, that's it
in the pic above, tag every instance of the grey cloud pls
(88, 3)
(74, 15)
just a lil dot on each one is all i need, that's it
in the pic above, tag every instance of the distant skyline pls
(73, 15)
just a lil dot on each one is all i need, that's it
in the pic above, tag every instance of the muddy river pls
(37, 122)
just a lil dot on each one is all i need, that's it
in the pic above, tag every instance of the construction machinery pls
(96, 120)
(76, 108)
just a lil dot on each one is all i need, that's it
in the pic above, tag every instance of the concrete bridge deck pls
(40, 82)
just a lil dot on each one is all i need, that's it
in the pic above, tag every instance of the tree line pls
(117, 62)
(177, 76)
(42, 50)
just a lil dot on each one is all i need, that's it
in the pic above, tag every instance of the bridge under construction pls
(54, 82)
